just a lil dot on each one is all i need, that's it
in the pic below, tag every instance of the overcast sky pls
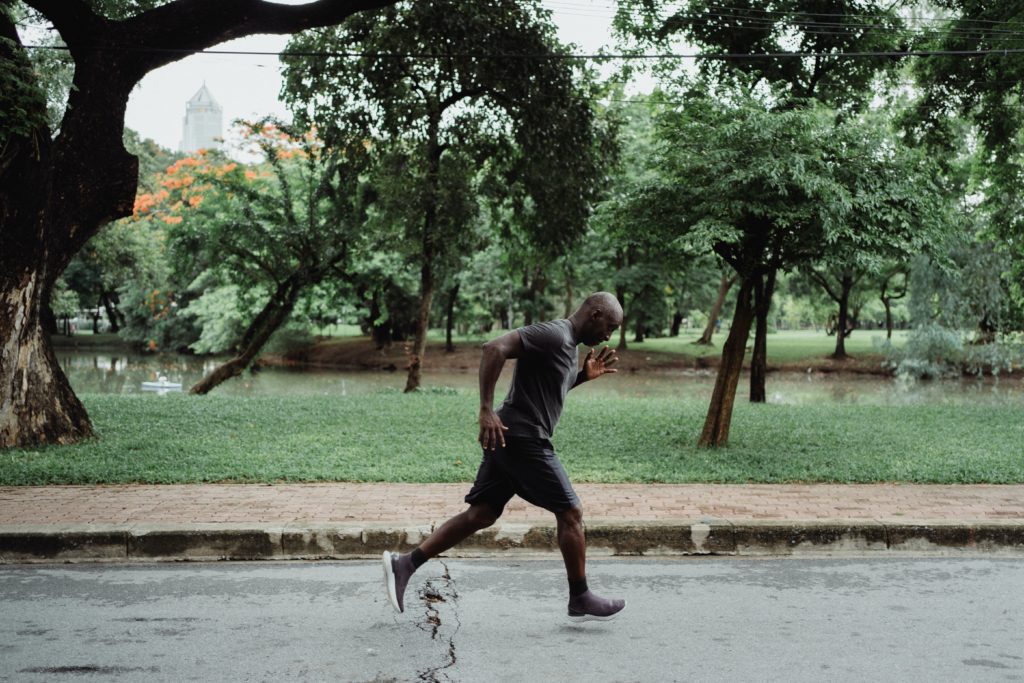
(247, 86)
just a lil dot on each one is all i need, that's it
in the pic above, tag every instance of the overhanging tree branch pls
(198, 24)
(73, 19)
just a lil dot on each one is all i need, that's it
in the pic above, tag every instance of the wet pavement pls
(690, 619)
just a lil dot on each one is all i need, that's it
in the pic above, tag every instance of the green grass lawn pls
(786, 346)
(430, 437)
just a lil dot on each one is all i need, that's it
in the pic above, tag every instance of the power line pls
(734, 10)
(775, 18)
(734, 56)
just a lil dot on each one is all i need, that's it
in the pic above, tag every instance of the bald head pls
(604, 301)
(597, 318)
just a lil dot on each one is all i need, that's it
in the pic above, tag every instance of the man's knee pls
(571, 517)
(481, 516)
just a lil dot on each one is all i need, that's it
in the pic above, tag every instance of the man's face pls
(601, 326)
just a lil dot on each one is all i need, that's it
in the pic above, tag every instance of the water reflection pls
(124, 373)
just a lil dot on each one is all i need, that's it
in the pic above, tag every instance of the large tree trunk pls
(568, 291)
(719, 417)
(273, 315)
(538, 285)
(763, 291)
(640, 328)
(453, 295)
(114, 314)
(37, 405)
(528, 308)
(677, 321)
(724, 285)
(380, 332)
(47, 212)
(887, 299)
(846, 286)
(419, 349)
(620, 294)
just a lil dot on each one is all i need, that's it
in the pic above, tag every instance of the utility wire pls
(795, 20)
(612, 10)
(737, 56)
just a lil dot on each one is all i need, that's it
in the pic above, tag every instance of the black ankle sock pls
(577, 587)
(418, 558)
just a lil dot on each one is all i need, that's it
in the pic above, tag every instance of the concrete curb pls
(211, 542)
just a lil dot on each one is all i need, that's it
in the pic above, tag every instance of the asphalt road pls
(692, 619)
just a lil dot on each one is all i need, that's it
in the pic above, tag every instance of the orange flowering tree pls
(270, 231)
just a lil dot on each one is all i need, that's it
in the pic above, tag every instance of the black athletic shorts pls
(527, 467)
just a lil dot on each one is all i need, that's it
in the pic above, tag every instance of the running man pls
(518, 457)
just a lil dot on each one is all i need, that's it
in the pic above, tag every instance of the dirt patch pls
(360, 353)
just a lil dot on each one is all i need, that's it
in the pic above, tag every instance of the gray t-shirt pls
(544, 374)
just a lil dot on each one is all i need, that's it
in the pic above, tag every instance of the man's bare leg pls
(584, 605)
(460, 527)
(399, 568)
(572, 542)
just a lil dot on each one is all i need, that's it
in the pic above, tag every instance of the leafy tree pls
(58, 189)
(763, 190)
(774, 27)
(442, 89)
(986, 90)
(277, 230)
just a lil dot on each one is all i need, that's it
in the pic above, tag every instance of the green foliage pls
(970, 292)
(522, 121)
(218, 314)
(985, 91)
(931, 351)
(153, 319)
(761, 27)
(775, 189)
(291, 337)
(64, 301)
(22, 99)
(53, 71)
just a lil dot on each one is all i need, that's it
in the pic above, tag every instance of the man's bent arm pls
(495, 352)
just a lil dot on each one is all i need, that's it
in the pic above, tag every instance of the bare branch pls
(463, 94)
(823, 281)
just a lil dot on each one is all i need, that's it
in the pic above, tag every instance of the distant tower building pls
(202, 126)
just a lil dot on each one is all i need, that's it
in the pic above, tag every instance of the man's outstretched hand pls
(595, 366)
(492, 430)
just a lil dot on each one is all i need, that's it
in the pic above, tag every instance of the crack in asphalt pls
(432, 594)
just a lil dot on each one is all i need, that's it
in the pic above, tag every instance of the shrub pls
(931, 351)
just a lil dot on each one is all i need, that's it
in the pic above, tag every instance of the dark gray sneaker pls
(397, 570)
(591, 607)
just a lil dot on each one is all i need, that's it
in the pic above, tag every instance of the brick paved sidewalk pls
(431, 503)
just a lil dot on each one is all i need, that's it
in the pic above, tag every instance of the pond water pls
(124, 373)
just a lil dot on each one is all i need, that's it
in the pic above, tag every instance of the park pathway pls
(618, 503)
